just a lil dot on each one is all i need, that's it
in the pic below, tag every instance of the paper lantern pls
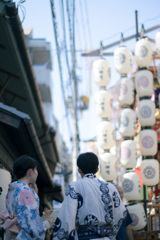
(138, 216)
(125, 89)
(157, 41)
(150, 172)
(146, 112)
(128, 154)
(148, 142)
(105, 135)
(101, 72)
(127, 121)
(144, 83)
(143, 53)
(108, 166)
(131, 186)
(5, 180)
(103, 101)
(123, 60)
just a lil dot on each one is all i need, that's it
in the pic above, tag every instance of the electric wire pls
(151, 19)
(65, 44)
(83, 25)
(67, 92)
(88, 23)
(128, 29)
(68, 83)
(78, 32)
(59, 62)
(23, 11)
(69, 24)
(71, 13)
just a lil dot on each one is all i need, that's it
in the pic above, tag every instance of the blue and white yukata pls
(92, 209)
(24, 202)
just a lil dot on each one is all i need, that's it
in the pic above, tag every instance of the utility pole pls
(74, 105)
(74, 98)
(75, 135)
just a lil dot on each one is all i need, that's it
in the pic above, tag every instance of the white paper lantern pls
(125, 89)
(131, 186)
(108, 166)
(5, 180)
(103, 101)
(123, 60)
(101, 72)
(127, 121)
(105, 135)
(146, 112)
(128, 154)
(148, 142)
(157, 41)
(150, 172)
(144, 83)
(138, 216)
(143, 53)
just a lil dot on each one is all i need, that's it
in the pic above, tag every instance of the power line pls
(59, 61)
(69, 24)
(128, 29)
(88, 23)
(78, 32)
(65, 44)
(83, 25)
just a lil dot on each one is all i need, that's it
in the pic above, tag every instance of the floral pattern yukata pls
(24, 202)
(92, 209)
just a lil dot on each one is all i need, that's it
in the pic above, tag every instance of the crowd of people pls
(91, 209)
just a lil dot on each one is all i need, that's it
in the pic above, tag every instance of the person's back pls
(90, 192)
(19, 201)
(23, 203)
(91, 208)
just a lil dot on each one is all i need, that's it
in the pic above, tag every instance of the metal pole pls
(136, 18)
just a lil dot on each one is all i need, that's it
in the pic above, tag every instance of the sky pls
(95, 21)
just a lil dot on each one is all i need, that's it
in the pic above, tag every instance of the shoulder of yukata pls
(70, 191)
(18, 190)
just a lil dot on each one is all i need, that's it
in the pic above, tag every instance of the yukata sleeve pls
(28, 216)
(65, 222)
(119, 211)
(128, 218)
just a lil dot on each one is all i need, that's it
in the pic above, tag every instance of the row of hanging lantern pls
(146, 113)
(146, 117)
(127, 119)
(105, 129)
(147, 136)
(127, 123)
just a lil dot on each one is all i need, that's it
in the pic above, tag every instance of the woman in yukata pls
(23, 202)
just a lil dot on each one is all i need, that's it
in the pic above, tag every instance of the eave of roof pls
(21, 134)
(18, 86)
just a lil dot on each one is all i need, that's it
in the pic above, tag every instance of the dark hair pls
(22, 164)
(88, 162)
